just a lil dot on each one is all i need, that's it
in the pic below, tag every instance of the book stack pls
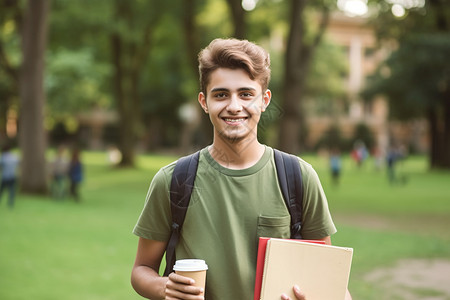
(321, 271)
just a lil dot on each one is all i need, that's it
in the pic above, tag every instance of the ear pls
(266, 99)
(202, 101)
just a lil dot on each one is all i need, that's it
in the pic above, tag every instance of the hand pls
(180, 287)
(299, 295)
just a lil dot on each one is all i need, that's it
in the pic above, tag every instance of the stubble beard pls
(233, 137)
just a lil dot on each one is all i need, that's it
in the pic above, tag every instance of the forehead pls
(232, 79)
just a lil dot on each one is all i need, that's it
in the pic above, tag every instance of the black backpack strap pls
(290, 180)
(180, 193)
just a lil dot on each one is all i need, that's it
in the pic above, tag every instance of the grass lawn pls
(65, 250)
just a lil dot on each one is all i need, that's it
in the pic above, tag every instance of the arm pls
(144, 276)
(301, 296)
(147, 282)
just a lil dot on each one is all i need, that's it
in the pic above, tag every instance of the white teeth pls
(234, 120)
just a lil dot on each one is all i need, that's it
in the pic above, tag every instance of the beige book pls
(321, 271)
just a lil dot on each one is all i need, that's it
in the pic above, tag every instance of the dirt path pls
(408, 279)
(414, 279)
(437, 225)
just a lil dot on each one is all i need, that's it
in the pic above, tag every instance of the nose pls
(234, 104)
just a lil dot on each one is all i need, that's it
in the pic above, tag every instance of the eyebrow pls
(227, 90)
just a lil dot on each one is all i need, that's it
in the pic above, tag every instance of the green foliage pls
(417, 74)
(415, 77)
(420, 17)
(78, 24)
(75, 81)
(77, 69)
(214, 20)
(329, 63)
(327, 97)
(80, 69)
(267, 19)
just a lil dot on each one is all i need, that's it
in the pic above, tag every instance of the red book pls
(261, 259)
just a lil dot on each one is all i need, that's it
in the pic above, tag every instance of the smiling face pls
(234, 103)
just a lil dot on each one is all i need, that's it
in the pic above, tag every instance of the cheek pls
(255, 108)
(215, 108)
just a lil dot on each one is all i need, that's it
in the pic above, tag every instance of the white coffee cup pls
(192, 268)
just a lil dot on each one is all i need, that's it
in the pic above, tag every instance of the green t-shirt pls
(229, 210)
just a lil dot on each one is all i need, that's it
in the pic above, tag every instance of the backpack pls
(182, 184)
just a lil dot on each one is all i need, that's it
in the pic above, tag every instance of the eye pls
(247, 95)
(220, 95)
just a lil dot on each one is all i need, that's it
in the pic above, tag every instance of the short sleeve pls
(155, 218)
(317, 220)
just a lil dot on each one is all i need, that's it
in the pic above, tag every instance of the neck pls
(240, 154)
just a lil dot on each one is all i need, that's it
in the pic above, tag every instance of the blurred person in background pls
(75, 174)
(8, 165)
(59, 168)
(394, 156)
(335, 165)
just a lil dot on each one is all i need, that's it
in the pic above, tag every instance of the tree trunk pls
(129, 57)
(435, 140)
(31, 131)
(191, 35)
(297, 62)
(292, 114)
(238, 16)
(446, 132)
(126, 120)
(294, 77)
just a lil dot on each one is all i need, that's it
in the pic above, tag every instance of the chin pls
(236, 137)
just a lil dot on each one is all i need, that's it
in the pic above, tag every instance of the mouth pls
(234, 120)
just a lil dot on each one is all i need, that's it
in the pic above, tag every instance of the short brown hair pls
(234, 54)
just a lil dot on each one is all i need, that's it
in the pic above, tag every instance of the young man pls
(236, 197)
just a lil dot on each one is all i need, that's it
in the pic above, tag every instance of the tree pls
(416, 81)
(301, 45)
(32, 97)
(131, 42)
(416, 77)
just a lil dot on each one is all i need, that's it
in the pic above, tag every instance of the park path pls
(414, 279)
(408, 279)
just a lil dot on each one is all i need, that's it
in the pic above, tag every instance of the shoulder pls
(165, 173)
(309, 174)
(306, 167)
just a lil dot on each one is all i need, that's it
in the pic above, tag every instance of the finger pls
(181, 287)
(177, 295)
(180, 279)
(185, 289)
(300, 295)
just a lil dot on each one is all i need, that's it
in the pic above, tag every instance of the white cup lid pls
(190, 265)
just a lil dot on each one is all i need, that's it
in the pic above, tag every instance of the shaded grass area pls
(65, 250)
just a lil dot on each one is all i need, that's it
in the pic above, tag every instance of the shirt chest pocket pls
(274, 227)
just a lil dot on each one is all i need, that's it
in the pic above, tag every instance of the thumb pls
(299, 294)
